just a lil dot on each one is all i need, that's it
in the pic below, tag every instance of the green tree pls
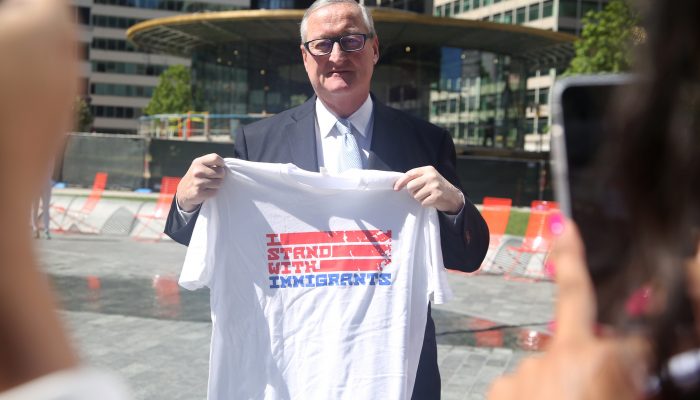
(83, 115)
(607, 40)
(173, 95)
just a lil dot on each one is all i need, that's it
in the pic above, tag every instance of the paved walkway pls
(120, 300)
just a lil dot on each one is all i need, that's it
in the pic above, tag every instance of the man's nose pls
(336, 52)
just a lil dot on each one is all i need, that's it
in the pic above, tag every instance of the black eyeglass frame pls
(338, 39)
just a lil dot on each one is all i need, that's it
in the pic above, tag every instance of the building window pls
(542, 125)
(115, 112)
(520, 15)
(547, 8)
(109, 89)
(477, 3)
(487, 2)
(112, 44)
(530, 125)
(114, 22)
(453, 106)
(508, 17)
(448, 10)
(438, 11)
(466, 5)
(568, 8)
(534, 12)
(544, 96)
(113, 67)
(530, 97)
(590, 5)
(82, 15)
(497, 18)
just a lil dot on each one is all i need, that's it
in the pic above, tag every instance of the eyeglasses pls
(348, 43)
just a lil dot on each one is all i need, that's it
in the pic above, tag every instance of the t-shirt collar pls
(359, 119)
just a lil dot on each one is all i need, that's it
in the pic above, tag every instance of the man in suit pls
(340, 48)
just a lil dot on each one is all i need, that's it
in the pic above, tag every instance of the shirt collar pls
(359, 119)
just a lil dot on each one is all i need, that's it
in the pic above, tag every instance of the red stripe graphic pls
(357, 236)
(372, 250)
(352, 264)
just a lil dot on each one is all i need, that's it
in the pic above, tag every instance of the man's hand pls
(431, 189)
(201, 181)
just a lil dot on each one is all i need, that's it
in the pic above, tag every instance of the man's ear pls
(303, 53)
(375, 49)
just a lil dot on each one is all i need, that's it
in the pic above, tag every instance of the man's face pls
(339, 74)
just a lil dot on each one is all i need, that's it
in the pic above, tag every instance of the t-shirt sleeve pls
(438, 286)
(199, 260)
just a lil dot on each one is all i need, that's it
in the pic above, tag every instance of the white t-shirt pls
(319, 283)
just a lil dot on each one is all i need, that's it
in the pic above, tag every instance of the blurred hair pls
(655, 162)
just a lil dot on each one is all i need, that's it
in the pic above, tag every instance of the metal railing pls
(198, 126)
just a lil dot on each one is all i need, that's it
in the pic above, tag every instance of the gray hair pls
(366, 16)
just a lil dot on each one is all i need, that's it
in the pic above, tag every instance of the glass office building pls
(117, 77)
(474, 128)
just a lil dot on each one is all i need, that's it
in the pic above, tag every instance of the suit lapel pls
(302, 137)
(386, 138)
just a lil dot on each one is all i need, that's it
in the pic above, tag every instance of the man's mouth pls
(339, 72)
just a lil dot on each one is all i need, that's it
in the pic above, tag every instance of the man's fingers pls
(210, 183)
(212, 160)
(209, 172)
(575, 313)
(405, 179)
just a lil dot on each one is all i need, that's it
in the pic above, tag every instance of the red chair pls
(168, 187)
(496, 213)
(537, 240)
(76, 220)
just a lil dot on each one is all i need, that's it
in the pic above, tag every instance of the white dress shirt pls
(329, 140)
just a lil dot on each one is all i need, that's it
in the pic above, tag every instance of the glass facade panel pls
(568, 8)
(520, 15)
(105, 21)
(108, 89)
(115, 112)
(547, 8)
(590, 5)
(112, 44)
(534, 12)
(113, 67)
(508, 17)
(466, 5)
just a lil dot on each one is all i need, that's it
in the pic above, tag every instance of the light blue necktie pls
(350, 153)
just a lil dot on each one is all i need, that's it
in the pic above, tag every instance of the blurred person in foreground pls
(655, 163)
(38, 77)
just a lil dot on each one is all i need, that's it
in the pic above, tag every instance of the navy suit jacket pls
(400, 142)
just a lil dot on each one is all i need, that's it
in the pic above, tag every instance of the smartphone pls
(583, 108)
